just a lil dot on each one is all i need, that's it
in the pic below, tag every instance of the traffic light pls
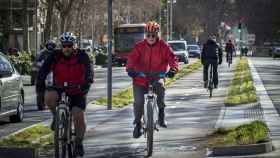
(239, 27)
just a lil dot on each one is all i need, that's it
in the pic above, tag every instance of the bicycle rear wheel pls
(150, 128)
(210, 83)
(60, 135)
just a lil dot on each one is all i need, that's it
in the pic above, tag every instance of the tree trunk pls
(25, 26)
(47, 29)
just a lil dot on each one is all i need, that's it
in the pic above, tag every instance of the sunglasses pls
(67, 46)
(151, 35)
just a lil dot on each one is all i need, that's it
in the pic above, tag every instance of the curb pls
(241, 150)
(18, 152)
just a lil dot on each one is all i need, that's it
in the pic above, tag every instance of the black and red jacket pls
(76, 70)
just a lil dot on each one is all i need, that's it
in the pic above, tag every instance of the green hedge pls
(23, 62)
(252, 133)
(242, 89)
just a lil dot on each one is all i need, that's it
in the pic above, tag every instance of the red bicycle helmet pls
(152, 27)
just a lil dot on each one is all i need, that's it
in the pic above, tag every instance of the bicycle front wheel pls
(60, 133)
(150, 128)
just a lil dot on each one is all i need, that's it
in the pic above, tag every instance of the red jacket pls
(151, 58)
(75, 71)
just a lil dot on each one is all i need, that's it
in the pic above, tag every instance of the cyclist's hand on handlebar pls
(85, 87)
(131, 73)
(171, 73)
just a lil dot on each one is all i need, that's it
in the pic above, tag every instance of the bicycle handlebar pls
(151, 74)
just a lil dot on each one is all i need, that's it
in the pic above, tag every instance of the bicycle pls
(229, 59)
(210, 81)
(64, 134)
(150, 118)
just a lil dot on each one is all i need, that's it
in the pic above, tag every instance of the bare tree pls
(64, 7)
(48, 23)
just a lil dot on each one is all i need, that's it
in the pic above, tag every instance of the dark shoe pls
(161, 120)
(137, 130)
(215, 86)
(79, 149)
(205, 84)
(53, 125)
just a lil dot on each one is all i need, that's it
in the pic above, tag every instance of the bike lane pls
(190, 113)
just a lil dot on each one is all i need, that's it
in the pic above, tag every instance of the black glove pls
(131, 73)
(85, 87)
(171, 73)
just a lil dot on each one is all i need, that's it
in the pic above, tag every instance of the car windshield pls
(5, 65)
(178, 46)
(193, 47)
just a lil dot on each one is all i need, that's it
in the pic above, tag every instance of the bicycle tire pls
(60, 135)
(71, 146)
(150, 128)
(210, 83)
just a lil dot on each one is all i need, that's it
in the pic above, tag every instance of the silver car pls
(11, 91)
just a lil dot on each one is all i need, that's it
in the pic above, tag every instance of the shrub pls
(22, 63)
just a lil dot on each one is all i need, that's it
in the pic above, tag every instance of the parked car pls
(194, 51)
(180, 49)
(11, 91)
(275, 51)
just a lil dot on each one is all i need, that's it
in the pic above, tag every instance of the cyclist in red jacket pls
(150, 55)
(73, 66)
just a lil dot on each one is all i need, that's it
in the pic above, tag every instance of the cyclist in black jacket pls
(211, 54)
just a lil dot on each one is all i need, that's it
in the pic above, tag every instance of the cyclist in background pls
(150, 55)
(73, 66)
(211, 54)
(43, 54)
(229, 50)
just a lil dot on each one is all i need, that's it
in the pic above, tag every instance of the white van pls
(180, 49)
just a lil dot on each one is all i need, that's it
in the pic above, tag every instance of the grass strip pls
(39, 137)
(242, 89)
(125, 97)
(252, 133)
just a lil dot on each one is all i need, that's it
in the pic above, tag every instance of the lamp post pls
(109, 71)
(171, 18)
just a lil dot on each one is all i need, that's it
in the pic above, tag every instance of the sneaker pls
(79, 149)
(137, 130)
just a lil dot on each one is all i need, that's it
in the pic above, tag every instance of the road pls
(98, 90)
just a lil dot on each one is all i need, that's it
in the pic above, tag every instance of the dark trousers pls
(215, 72)
(138, 93)
(229, 56)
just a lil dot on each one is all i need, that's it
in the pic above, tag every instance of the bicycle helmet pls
(152, 27)
(67, 38)
(50, 45)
